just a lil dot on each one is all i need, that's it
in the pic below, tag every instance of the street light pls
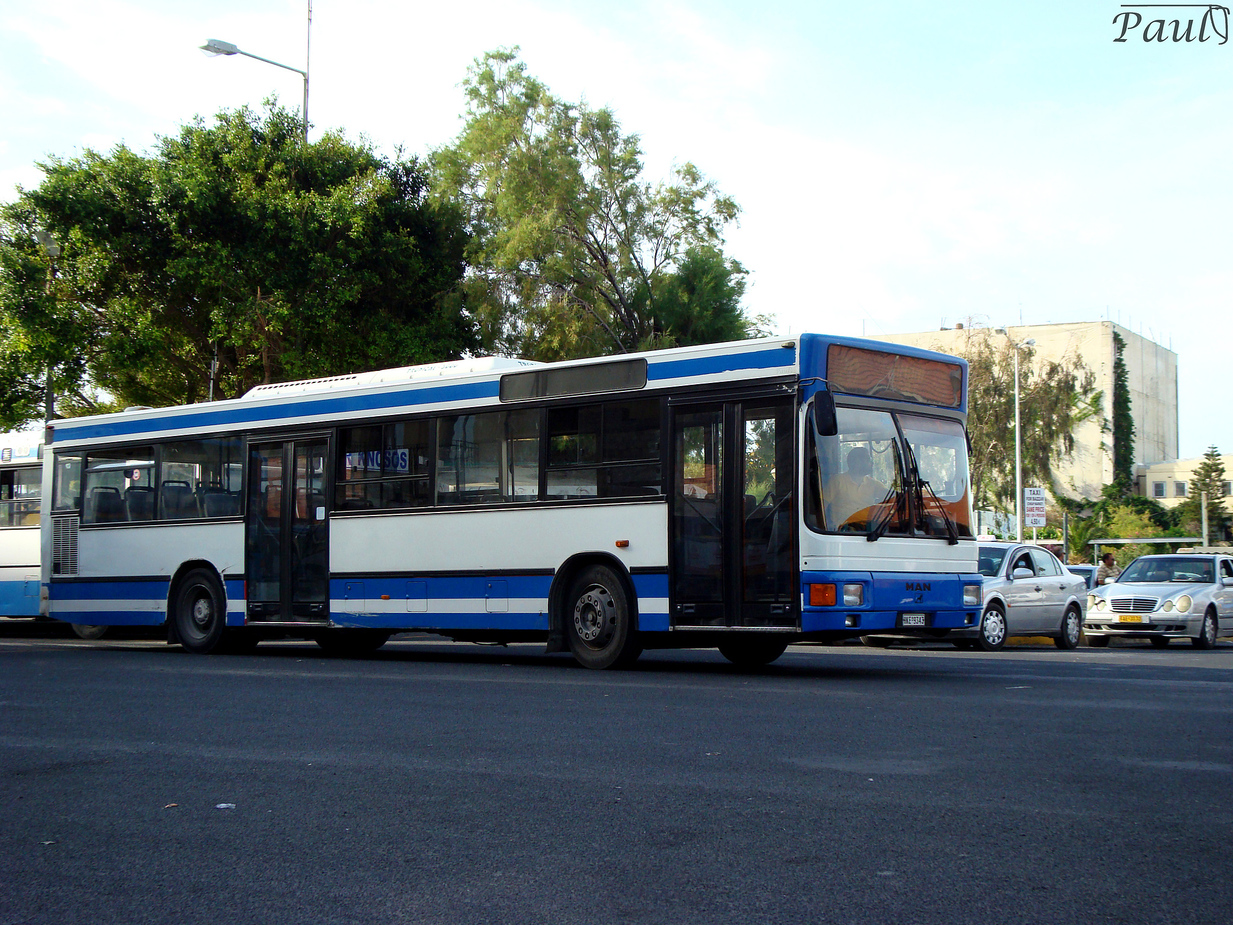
(216, 47)
(1030, 342)
(52, 249)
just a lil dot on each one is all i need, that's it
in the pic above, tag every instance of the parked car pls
(1027, 592)
(1086, 572)
(1164, 597)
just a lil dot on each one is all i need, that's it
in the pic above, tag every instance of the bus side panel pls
(19, 576)
(110, 602)
(487, 569)
(124, 574)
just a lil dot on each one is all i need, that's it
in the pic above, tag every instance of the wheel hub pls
(594, 616)
(202, 612)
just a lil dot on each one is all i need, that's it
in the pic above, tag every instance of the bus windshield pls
(889, 473)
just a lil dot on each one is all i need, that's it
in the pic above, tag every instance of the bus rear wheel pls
(200, 612)
(598, 624)
(752, 651)
(86, 631)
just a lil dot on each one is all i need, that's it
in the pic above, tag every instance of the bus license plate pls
(1130, 618)
(913, 619)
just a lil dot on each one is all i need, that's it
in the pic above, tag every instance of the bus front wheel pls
(200, 612)
(598, 624)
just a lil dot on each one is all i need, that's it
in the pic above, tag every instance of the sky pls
(900, 166)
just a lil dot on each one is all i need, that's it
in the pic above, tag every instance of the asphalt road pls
(462, 784)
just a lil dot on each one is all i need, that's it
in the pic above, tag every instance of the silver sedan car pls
(1027, 592)
(1176, 596)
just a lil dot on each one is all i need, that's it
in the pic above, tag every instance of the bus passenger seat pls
(139, 502)
(105, 505)
(176, 500)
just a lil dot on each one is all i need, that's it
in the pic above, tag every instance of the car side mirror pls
(1023, 573)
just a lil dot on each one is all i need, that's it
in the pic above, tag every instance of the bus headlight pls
(971, 595)
(853, 595)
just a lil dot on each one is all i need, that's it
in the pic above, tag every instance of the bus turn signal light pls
(622, 544)
(821, 595)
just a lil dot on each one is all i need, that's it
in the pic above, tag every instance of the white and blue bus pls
(740, 496)
(21, 479)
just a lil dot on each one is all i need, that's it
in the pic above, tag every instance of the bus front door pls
(287, 532)
(733, 514)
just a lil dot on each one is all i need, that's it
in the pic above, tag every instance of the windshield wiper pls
(952, 532)
(882, 524)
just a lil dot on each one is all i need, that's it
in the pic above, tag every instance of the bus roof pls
(468, 383)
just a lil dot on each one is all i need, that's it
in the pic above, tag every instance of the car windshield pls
(991, 559)
(1150, 570)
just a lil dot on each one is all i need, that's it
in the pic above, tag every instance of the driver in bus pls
(855, 489)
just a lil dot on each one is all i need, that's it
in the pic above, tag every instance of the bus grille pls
(1133, 604)
(64, 545)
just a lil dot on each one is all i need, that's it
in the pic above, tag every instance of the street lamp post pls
(1030, 342)
(216, 47)
(52, 250)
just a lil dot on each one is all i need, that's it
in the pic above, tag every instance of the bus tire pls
(200, 612)
(85, 631)
(752, 651)
(598, 623)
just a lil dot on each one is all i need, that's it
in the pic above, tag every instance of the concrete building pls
(1169, 482)
(1151, 372)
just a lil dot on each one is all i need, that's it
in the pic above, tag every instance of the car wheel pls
(1207, 635)
(1072, 629)
(1098, 642)
(752, 651)
(1160, 642)
(992, 634)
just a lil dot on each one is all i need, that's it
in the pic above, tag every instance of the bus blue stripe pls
(729, 362)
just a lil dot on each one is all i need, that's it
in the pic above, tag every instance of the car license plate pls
(913, 619)
(1130, 618)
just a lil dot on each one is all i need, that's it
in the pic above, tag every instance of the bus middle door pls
(733, 514)
(287, 532)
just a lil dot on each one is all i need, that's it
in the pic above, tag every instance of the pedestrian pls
(1108, 571)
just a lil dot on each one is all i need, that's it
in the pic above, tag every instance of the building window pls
(1158, 489)
(1226, 488)
(1179, 489)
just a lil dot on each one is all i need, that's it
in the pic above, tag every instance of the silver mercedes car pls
(1176, 596)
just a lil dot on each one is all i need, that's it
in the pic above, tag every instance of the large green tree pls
(572, 252)
(1055, 396)
(232, 242)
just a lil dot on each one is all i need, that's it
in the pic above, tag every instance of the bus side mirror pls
(824, 418)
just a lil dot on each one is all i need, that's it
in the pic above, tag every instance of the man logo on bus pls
(916, 586)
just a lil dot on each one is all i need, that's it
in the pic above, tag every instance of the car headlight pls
(972, 595)
(1183, 603)
(1091, 602)
(1102, 604)
(1166, 607)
